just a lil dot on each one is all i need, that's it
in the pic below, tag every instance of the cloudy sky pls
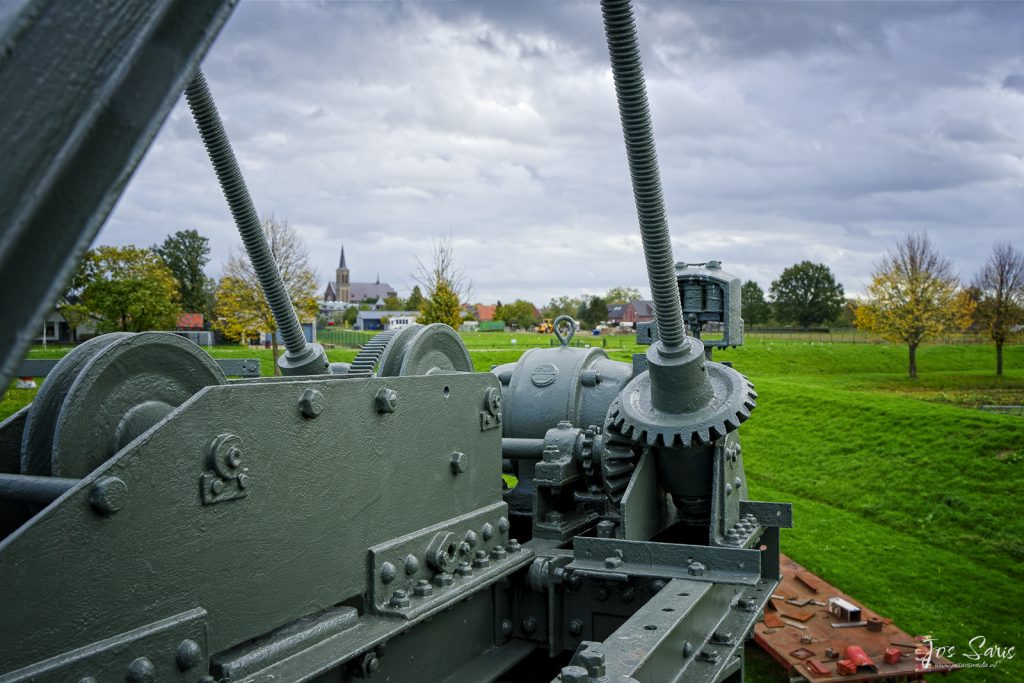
(786, 131)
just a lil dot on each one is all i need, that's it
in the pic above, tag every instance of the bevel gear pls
(716, 400)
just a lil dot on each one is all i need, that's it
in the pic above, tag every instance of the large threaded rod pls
(631, 93)
(207, 118)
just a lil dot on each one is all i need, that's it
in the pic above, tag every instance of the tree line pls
(915, 295)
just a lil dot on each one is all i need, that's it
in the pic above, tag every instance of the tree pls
(123, 289)
(756, 310)
(592, 311)
(914, 295)
(350, 315)
(415, 300)
(519, 314)
(622, 295)
(242, 310)
(1000, 286)
(186, 253)
(806, 294)
(394, 303)
(562, 305)
(445, 284)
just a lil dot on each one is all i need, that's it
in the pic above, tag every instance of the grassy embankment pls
(905, 495)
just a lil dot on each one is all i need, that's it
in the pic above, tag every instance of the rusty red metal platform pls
(798, 632)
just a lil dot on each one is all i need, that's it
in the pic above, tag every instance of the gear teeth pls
(366, 360)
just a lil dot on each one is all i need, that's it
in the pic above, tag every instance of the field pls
(905, 494)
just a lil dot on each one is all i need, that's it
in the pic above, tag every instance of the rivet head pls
(459, 463)
(487, 532)
(387, 572)
(108, 495)
(188, 654)
(529, 625)
(506, 627)
(386, 400)
(471, 538)
(311, 403)
(576, 627)
(503, 524)
(141, 670)
(687, 649)
(412, 564)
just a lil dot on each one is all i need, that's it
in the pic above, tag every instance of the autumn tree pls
(242, 310)
(914, 296)
(806, 294)
(1000, 288)
(756, 311)
(445, 284)
(186, 254)
(123, 289)
(622, 295)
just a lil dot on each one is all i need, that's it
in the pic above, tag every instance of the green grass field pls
(905, 494)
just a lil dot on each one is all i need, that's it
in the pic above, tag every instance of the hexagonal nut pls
(492, 401)
(311, 403)
(696, 569)
(442, 551)
(459, 462)
(386, 400)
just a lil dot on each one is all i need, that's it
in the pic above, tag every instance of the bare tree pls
(446, 285)
(242, 310)
(1001, 296)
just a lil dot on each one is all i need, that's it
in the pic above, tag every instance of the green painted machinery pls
(160, 522)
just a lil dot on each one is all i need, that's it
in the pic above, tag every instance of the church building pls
(342, 290)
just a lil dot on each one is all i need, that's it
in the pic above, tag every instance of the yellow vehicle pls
(546, 327)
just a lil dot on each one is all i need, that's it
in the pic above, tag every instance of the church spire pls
(341, 263)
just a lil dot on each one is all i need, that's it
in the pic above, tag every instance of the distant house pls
(190, 321)
(484, 314)
(631, 313)
(374, 320)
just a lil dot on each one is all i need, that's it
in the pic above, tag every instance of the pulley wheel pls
(41, 421)
(436, 349)
(394, 355)
(126, 388)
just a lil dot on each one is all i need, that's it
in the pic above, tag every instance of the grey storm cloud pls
(786, 131)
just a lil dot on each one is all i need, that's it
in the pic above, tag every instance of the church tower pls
(341, 286)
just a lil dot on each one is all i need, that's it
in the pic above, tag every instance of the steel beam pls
(85, 86)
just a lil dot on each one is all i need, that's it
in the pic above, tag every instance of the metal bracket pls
(488, 421)
(432, 567)
(226, 479)
(616, 560)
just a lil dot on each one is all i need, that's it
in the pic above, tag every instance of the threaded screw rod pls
(215, 138)
(631, 93)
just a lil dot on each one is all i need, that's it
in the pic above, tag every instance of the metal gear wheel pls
(366, 361)
(632, 415)
(617, 464)
(412, 350)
